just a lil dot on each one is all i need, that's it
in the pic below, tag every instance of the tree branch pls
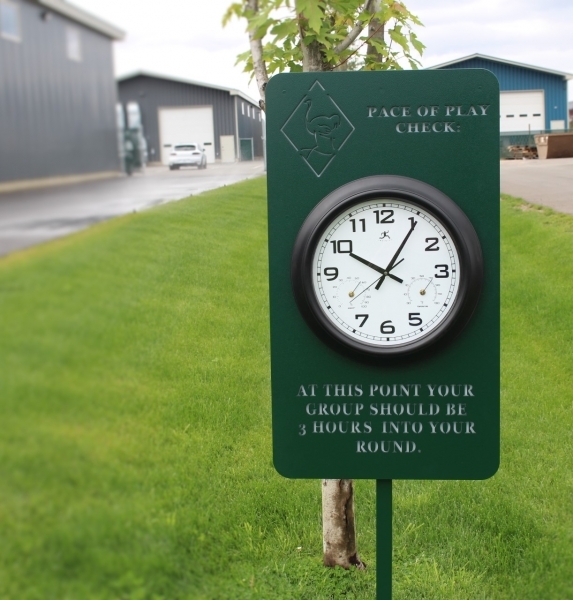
(342, 63)
(355, 32)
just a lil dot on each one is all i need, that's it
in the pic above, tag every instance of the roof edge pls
(143, 73)
(85, 18)
(566, 76)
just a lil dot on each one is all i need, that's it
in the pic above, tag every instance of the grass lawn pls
(135, 441)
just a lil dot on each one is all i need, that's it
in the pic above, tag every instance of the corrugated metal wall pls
(511, 77)
(250, 125)
(153, 93)
(57, 116)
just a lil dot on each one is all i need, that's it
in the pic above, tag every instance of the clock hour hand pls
(391, 264)
(367, 288)
(385, 272)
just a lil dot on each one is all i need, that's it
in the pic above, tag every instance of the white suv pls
(187, 155)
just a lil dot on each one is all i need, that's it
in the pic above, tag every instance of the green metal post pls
(383, 539)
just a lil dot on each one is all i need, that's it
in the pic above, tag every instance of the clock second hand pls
(366, 289)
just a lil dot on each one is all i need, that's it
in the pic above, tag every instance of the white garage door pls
(522, 111)
(186, 124)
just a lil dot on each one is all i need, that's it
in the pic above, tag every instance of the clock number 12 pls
(384, 216)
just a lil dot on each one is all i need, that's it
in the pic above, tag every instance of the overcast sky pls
(185, 38)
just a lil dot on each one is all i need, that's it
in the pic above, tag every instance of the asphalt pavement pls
(35, 216)
(547, 182)
(31, 217)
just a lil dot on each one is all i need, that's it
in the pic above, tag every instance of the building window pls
(242, 108)
(10, 20)
(248, 110)
(73, 44)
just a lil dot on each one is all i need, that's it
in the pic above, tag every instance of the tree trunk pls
(375, 32)
(259, 65)
(312, 56)
(312, 59)
(338, 525)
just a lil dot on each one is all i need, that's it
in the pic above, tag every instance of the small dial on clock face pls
(348, 292)
(386, 272)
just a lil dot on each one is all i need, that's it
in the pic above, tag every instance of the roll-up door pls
(522, 111)
(186, 124)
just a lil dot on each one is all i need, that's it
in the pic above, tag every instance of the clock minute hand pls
(376, 267)
(391, 263)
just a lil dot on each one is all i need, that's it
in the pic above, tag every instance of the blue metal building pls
(57, 94)
(533, 99)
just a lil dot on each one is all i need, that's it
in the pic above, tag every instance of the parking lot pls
(31, 217)
(547, 182)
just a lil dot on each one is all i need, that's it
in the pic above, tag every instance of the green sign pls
(384, 274)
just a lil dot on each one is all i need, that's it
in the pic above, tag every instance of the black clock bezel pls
(447, 213)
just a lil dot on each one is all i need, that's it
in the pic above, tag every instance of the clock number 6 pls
(387, 327)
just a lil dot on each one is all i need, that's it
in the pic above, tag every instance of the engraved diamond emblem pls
(317, 129)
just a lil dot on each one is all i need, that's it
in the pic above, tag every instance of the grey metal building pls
(227, 122)
(57, 94)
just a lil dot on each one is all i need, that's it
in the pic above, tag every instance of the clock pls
(386, 267)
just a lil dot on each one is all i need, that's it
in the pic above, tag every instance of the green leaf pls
(313, 12)
(417, 43)
(398, 37)
(414, 64)
(284, 28)
(235, 10)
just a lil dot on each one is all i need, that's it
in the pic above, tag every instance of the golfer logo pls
(318, 129)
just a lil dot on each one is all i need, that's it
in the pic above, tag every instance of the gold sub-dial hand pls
(423, 292)
(351, 293)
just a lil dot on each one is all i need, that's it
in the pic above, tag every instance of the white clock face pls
(386, 272)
